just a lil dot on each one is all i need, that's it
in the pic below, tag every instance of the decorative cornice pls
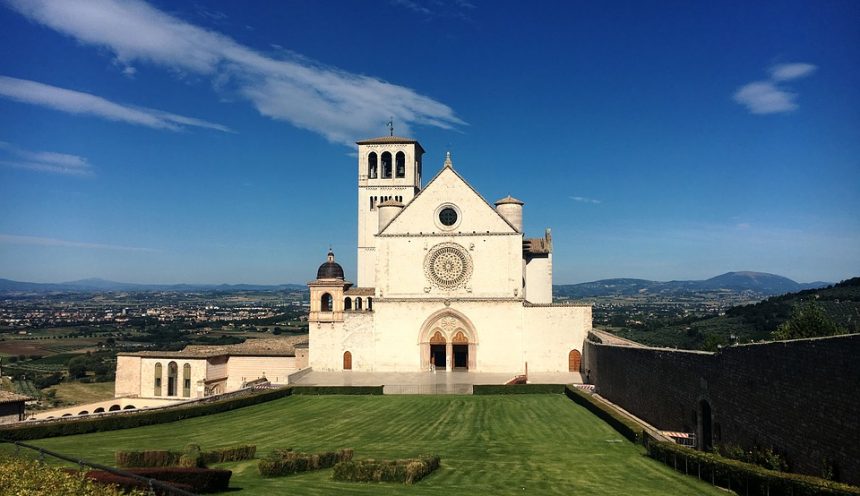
(446, 234)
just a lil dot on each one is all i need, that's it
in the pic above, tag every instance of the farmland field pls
(521, 444)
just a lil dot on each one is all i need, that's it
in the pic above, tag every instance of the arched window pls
(369, 303)
(358, 303)
(347, 303)
(186, 380)
(347, 360)
(157, 382)
(172, 372)
(371, 165)
(325, 303)
(400, 164)
(386, 165)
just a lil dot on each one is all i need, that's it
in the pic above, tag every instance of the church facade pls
(445, 281)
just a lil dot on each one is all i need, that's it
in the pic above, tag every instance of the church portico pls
(447, 341)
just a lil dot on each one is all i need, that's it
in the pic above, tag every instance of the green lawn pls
(520, 444)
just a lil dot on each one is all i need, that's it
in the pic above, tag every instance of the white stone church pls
(445, 280)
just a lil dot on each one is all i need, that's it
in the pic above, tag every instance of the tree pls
(808, 320)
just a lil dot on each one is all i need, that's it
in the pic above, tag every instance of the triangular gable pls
(476, 215)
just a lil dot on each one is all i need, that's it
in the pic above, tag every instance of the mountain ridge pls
(761, 283)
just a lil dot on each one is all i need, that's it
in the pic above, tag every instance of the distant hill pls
(760, 283)
(749, 323)
(96, 285)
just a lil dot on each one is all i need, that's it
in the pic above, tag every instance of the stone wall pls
(800, 397)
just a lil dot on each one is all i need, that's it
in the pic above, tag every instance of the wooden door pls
(347, 360)
(574, 360)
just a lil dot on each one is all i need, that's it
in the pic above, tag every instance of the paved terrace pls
(439, 382)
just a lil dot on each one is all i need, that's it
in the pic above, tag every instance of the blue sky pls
(210, 142)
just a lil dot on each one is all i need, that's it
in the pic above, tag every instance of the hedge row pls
(481, 389)
(625, 426)
(150, 458)
(745, 478)
(128, 484)
(231, 454)
(350, 390)
(287, 462)
(199, 480)
(407, 471)
(23, 432)
(191, 456)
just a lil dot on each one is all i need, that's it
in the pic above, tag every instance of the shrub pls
(625, 426)
(192, 457)
(131, 484)
(408, 471)
(25, 476)
(482, 389)
(747, 478)
(286, 461)
(152, 458)
(23, 432)
(231, 454)
(349, 390)
(200, 480)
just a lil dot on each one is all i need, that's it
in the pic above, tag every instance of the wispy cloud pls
(337, 104)
(787, 72)
(582, 199)
(58, 163)
(76, 102)
(13, 239)
(767, 97)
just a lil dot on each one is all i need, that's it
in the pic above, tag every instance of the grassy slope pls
(74, 393)
(531, 444)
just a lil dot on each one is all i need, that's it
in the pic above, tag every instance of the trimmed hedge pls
(625, 426)
(151, 458)
(24, 432)
(287, 462)
(200, 480)
(481, 389)
(349, 390)
(231, 454)
(408, 471)
(129, 484)
(191, 456)
(745, 478)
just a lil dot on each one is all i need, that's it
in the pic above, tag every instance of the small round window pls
(448, 216)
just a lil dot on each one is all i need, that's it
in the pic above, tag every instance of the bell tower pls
(389, 168)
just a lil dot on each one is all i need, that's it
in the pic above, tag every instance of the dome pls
(330, 269)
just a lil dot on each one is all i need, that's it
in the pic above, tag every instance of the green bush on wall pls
(482, 389)
(348, 390)
(23, 432)
(743, 477)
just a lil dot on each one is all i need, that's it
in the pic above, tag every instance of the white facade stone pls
(450, 291)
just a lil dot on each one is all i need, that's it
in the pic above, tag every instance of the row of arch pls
(374, 200)
(327, 303)
(172, 379)
(101, 409)
(386, 165)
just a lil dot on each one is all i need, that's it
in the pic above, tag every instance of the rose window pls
(448, 266)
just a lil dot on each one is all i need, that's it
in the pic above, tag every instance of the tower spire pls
(390, 126)
(448, 162)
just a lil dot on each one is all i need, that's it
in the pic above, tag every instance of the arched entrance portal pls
(574, 361)
(448, 341)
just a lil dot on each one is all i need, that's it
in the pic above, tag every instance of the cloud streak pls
(58, 163)
(336, 104)
(77, 102)
(12, 239)
(767, 97)
(582, 199)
